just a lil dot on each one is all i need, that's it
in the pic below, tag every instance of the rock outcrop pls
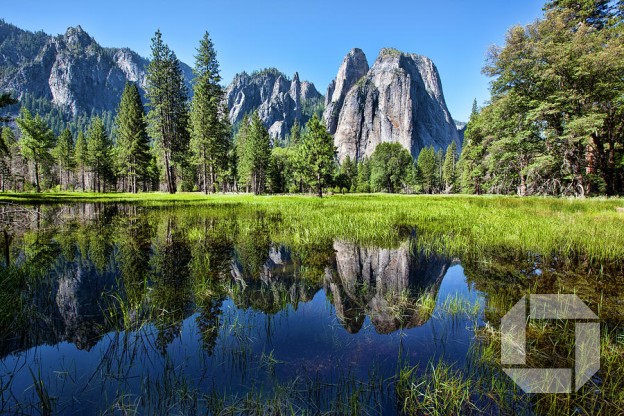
(71, 71)
(278, 100)
(353, 68)
(399, 99)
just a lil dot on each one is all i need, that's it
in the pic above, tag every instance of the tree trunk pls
(7, 246)
(168, 170)
(320, 186)
(83, 179)
(37, 176)
(205, 175)
(212, 179)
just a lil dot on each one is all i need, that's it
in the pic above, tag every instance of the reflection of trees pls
(133, 240)
(212, 252)
(172, 295)
(385, 284)
(277, 284)
(505, 280)
(252, 245)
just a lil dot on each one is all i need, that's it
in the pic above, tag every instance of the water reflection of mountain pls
(66, 305)
(385, 284)
(77, 297)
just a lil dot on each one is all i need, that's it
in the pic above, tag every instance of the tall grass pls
(587, 230)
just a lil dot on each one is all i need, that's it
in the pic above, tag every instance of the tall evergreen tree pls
(317, 155)
(449, 171)
(427, 169)
(132, 148)
(99, 149)
(7, 140)
(36, 141)
(254, 154)
(363, 176)
(209, 125)
(168, 115)
(81, 156)
(295, 133)
(64, 155)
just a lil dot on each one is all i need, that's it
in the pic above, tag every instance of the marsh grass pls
(440, 390)
(587, 230)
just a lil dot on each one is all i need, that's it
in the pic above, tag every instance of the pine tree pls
(427, 169)
(254, 154)
(317, 155)
(295, 133)
(132, 148)
(81, 157)
(168, 116)
(449, 172)
(7, 139)
(6, 100)
(363, 177)
(64, 155)
(209, 125)
(99, 149)
(36, 141)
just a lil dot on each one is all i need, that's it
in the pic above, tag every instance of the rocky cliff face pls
(399, 99)
(278, 100)
(72, 70)
(353, 68)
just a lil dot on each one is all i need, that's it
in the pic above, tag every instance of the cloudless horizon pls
(311, 38)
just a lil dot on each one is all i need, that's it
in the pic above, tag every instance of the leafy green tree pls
(254, 154)
(281, 178)
(427, 168)
(168, 117)
(64, 155)
(390, 165)
(36, 141)
(317, 155)
(81, 157)
(132, 147)
(99, 150)
(555, 123)
(210, 128)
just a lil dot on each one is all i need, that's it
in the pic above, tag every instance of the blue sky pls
(310, 37)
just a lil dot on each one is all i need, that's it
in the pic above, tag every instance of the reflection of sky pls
(307, 341)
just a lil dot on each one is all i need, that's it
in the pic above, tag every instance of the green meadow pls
(590, 231)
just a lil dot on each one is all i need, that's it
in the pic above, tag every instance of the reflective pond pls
(125, 309)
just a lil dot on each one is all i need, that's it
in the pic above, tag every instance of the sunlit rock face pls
(384, 284)
(399, 100)
(71, 70)
(353, 68)
(279, 101)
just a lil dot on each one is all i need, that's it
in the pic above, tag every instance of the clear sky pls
(310, 37)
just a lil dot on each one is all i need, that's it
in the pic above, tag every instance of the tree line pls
(555, 123)
(554, 126)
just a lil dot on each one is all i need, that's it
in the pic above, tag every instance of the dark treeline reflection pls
(77, 273)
